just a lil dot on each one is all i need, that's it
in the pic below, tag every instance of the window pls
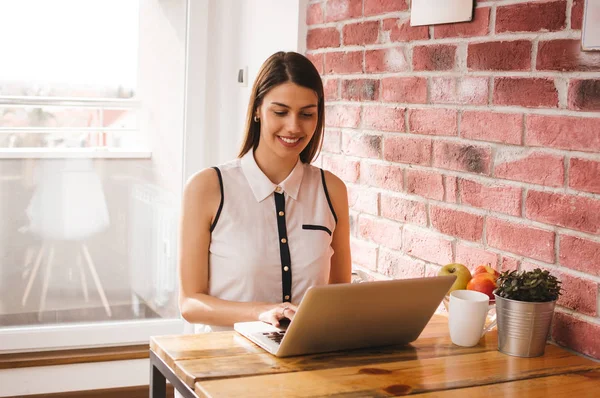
(69, 75)
(91, 166)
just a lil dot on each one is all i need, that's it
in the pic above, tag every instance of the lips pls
(288, 141)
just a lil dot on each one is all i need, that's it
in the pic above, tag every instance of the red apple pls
(484, 283)
(486, 268)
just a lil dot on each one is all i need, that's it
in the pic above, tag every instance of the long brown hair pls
(280, 68)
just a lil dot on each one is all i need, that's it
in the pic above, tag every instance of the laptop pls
(353, 315)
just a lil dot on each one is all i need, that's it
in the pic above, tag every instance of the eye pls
(280, 113)
(307, 115)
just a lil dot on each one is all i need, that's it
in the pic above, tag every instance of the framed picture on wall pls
(590, 30)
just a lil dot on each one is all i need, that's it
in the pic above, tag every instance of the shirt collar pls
(260, 184)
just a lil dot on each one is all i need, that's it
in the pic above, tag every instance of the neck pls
(275, 168)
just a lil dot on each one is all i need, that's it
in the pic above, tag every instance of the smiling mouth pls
(289, 140)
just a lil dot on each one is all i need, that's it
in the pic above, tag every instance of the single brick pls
(500, 55)
(427, 246)
(322, 38)
(342, 115)
(584, 175)
(433, 121)
(317, 60)
(584, 95)
(360, 89)
(576, 334)
(361, 145)
(386, 60)
(434, 57)
(399, 266)
(383, 118)
(579, 254)
(381, 176)
(464, 90)
(347, 170)
(427, 184)
(532, 17)
(314, 14)
(500, 198)
(407, 150)
(364, 200)
(361, 33)
(462, 157)
(492, 126)
(520, 239)
(344, 62)
(364, 253)
(403, 210)
(330, 89)
(332, 141)
(337, 10)
(570, 211)
(577, 14)
(404, 89)
(563, 132)
(529, 166)
(381, 231)
(566, 55)
(460, 224)
(525, 91)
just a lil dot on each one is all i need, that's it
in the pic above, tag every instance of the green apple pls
(463, 275)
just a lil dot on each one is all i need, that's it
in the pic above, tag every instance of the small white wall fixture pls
(431, 12)
(590, 31)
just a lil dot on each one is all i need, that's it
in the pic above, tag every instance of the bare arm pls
(341, 262)
(201, 200)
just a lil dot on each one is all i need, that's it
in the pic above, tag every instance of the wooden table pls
(225, 364)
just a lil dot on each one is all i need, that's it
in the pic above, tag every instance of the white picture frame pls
(432, 12)
(590, 29)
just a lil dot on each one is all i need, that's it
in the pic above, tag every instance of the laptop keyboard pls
(275, 336)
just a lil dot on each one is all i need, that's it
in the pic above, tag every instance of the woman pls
(258, 231)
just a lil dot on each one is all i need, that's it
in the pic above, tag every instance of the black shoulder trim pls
(214, 224)
(327, 196)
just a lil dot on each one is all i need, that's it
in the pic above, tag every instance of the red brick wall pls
(474, 142)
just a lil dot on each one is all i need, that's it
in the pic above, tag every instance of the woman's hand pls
(274, 313)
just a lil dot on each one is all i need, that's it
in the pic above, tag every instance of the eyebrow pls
(287, 106)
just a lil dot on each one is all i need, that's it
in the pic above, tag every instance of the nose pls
(294, 125)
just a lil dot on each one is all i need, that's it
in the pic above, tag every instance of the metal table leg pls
(159, 374)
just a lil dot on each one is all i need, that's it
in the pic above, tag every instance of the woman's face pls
(288, 119)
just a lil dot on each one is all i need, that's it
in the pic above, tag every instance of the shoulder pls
(337, 192)
(335, 185)
(202, 187)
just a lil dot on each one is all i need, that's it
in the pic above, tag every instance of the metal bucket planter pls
(523, 327)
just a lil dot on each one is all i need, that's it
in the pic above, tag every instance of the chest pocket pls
(314, 227)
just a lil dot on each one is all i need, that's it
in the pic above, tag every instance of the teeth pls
(289, 140)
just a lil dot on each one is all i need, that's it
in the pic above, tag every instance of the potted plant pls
(525, 304)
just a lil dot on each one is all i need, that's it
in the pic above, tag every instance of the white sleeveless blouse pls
(269, 243)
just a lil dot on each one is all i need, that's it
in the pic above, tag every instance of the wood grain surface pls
(226, 364)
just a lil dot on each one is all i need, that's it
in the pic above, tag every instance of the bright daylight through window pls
(91, 143)
(69, 74)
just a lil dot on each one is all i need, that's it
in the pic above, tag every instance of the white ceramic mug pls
(467, 313)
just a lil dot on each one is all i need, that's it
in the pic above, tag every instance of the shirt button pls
(281, 213)
(284, 240)
(286, 268)
(278, 189)
(287, 297)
